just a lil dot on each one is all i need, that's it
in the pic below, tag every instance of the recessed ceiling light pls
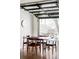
(48, 5)
(43, 16)
(31, 7)
(50, 8)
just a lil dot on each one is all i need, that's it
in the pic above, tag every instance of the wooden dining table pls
(36, 42)
(41, 40)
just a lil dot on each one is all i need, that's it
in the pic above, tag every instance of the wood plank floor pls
(39, 52)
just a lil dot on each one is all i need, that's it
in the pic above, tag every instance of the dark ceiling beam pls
(48, 17)
(46, 12)
(57, 3)
(25, 5)
(55, 13)
(42, 8)
(23, 8)
(39, 6)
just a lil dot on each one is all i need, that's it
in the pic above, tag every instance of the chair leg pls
(27, 48)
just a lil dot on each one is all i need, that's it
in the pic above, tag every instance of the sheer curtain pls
(48, 27)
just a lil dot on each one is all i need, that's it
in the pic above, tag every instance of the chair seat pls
(25, 42)
(50, 44)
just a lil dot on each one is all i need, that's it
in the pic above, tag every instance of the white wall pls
(35, 26)
(30, 25)
(27, 24)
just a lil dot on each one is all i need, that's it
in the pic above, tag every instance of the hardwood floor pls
(39, 52)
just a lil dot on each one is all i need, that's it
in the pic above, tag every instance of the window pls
(47, 27)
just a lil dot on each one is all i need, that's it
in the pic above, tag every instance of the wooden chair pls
(35, 42)
(24, 41)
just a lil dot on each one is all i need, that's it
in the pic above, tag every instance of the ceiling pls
(42, 9)
(27, 1)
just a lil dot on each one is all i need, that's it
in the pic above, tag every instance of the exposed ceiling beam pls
(48, 17)
(43, 10)
(55, 13)
(46, 12)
